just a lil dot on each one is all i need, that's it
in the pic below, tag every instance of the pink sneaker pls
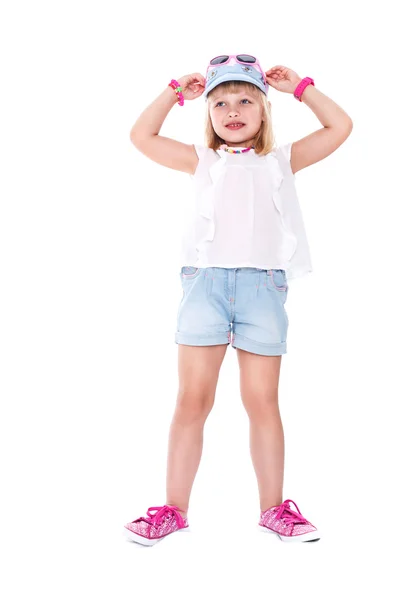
(289, 526)
(166, 520)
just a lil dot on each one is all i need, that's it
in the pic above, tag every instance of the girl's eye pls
(244, 100)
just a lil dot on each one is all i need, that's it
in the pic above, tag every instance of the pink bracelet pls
(178, 91)
(302, 86)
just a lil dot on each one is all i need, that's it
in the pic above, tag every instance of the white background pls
(89, 274)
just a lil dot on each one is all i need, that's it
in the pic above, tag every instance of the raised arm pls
(165, 151)
(337, 126)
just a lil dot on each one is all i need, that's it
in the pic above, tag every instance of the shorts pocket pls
(278, 280)
(188, 272)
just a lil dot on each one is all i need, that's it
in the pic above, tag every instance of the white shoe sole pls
(311, 536)
(139, 539)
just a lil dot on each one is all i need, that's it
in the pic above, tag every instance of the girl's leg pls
(198, 368)
(259, 379)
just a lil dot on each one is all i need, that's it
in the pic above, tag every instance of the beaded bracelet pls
(178, 91)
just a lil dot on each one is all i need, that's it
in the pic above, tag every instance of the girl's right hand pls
(192, 85)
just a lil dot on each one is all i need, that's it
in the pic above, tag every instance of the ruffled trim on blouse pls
(206, 208)
(290, 239)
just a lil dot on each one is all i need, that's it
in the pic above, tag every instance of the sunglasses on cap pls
(246, 59)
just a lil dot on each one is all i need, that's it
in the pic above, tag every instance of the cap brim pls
(235, 77)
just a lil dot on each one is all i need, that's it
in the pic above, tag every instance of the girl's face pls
(237, 117)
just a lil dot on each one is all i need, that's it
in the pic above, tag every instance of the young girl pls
(245, 241)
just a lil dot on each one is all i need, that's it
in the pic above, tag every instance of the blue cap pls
(234, 72)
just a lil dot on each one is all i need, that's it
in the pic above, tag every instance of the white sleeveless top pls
(246, 213)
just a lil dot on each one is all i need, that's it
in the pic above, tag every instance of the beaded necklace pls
(232, 151)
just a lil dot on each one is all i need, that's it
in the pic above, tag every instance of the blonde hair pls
(264, 140)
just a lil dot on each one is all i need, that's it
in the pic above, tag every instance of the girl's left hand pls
(282, 79)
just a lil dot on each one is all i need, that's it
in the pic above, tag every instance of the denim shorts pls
(242, 306)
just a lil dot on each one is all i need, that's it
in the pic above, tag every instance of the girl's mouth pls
(235, 126)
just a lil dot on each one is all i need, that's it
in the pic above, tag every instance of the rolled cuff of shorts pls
(202, 340)
(244, 343)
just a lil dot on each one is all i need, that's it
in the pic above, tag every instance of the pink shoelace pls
(161, 512)
(288, 516)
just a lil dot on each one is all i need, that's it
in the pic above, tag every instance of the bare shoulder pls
(168, 152)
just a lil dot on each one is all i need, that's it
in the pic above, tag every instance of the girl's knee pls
(193, 406)
(261, 407)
